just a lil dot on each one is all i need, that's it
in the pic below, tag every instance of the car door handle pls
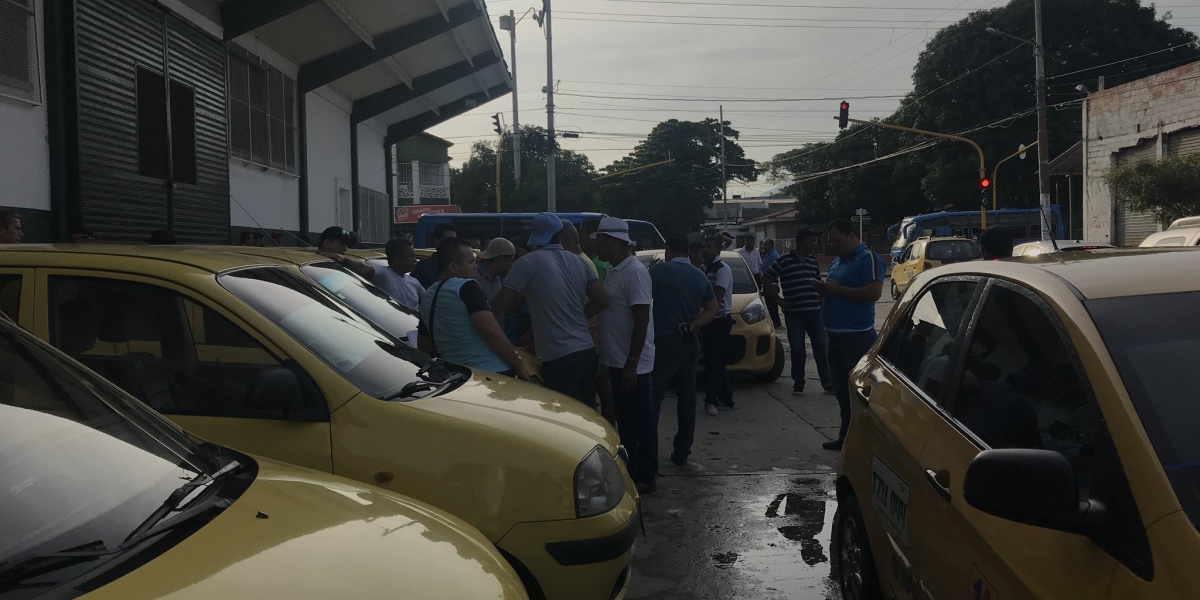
(864, 394)
(935, 479)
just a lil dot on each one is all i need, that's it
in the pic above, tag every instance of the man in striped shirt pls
(795, 272)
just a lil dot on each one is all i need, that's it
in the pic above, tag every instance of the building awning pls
(783, 215)
(1069, 162)
(410, 65)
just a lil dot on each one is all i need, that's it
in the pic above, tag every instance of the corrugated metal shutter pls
(1133, 227)
(1184, 142)
(114, 38)
(201, 210)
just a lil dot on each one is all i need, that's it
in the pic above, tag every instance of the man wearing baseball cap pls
(627, 349)
(554, 283)
(795, 272)
(334, 240)
(491, 267)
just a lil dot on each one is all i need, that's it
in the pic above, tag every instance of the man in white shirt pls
(627, 349)
(394, 278)
(751, 255)
(715, 335)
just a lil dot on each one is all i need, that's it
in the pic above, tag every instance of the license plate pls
(889, 498)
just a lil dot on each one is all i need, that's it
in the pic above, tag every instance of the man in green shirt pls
(589, 247)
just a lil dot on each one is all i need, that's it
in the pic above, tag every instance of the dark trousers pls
(798, 324)
(845, 350)
(637, 422)
(772, 305)
(715, 337)
(675, 363)
(573, 375)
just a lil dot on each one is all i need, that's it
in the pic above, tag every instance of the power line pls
(1117, 62)
(707, 87)
(790, 6)
(725, 18)
(758, 25)
(693, 99)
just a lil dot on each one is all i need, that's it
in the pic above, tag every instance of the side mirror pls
(276, 388)
(1033, 487)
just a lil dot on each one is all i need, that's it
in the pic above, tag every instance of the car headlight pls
(598, 484)
(754, 312)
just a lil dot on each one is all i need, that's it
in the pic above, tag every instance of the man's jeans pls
(573, 375)
(799, 323)
(637, 423)
(844, 352)
(716, 356)
(675, 363)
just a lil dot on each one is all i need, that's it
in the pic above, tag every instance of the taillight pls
(928, 266)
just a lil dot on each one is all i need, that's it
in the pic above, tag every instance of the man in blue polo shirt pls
(854, 285)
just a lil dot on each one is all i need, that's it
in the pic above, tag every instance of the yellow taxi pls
(245, 352)
(1028, 429)
(754, 348)
(103, 498)
(929, 252)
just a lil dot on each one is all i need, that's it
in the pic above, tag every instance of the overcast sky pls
(716, 51)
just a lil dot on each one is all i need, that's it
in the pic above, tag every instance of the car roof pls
(724, 253)
(1104, 273)
(215, 259)
(1188, 233)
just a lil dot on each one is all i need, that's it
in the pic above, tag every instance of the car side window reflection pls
(177, 356)
(1020, 387)
(922, 345)
(10, 296)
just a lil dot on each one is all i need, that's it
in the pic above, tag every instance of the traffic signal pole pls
(982, 168)
(1039, 51)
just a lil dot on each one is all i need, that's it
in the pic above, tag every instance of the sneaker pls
(710, 409)
(832, 445)
(797, 391)
(678, 460)
(644, 489)
(828, 389)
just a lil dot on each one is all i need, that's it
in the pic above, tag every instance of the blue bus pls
(1025, 224)
(481, 227)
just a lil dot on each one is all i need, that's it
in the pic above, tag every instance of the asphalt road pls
(751, 515)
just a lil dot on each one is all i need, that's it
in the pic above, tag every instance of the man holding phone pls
(683, 303)
(796, 271)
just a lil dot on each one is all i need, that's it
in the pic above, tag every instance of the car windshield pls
(743, 281)
(952, 251)
(367, 300)
(1155, 343)
(372, 360)
(81, 463)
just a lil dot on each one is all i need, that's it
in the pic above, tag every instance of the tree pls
(1170, 188)
(473, 187)
(966, 78)
(674, 196)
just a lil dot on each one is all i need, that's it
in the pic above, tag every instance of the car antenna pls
(1048, 228)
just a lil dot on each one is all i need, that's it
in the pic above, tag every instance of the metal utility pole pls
(1039, 53)
(724, 190)
(511, 25)
(551, 200)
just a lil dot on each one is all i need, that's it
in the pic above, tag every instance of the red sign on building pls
(410, 214)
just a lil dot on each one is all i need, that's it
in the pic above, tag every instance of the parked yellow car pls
(245, 352)
(1027, 429)
(104, 497)
(926, 253)
(754, 347)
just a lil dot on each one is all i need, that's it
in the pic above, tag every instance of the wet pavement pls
(751, 516)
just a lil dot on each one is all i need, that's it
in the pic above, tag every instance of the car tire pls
(895, 291)
(777, 369)
(857, 578)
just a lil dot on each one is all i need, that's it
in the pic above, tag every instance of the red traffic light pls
(985, 183)
(844, 115)
(845, 105)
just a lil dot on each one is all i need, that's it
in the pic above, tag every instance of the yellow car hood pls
(546, 414)
(301, 534)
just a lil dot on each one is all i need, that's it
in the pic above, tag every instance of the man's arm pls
(508, 299)
(708, 312)
(772, 290)
(505, 301)
(719, 292)
(487, 326)
(359, 267)
(637, 341)
(597, 299)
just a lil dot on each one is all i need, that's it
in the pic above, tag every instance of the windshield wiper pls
(413, 387)
(171, 504)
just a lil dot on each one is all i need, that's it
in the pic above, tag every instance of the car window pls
(372, 303)
(922, 345)
(1020, 386)
(1171, 241)
(953, 251)
(1155, 343)
(917, 251)
(10, 296)
(743, 281)
(907, 253)
(174, 354)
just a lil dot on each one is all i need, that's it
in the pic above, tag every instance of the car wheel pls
(895, 291)
(777, 369)
(856, 566)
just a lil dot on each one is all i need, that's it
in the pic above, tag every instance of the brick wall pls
(1120, 117)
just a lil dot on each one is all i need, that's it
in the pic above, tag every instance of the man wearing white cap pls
(627, 349)
(554, 283)
(491, 268)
